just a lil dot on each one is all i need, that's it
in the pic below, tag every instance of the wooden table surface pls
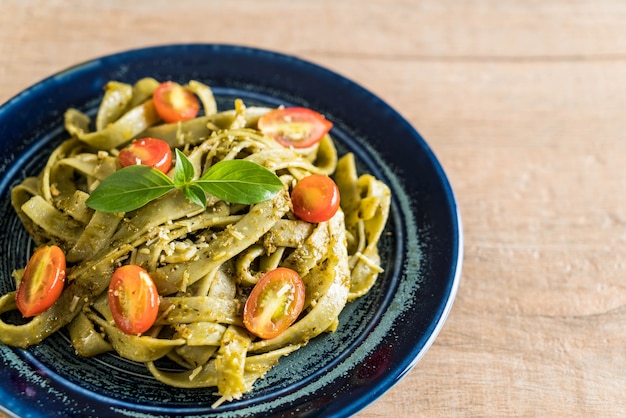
(523, 102)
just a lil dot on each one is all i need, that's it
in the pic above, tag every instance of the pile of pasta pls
(204, 262)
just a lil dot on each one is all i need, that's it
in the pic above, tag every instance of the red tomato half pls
(42, 281)
(133, 299)
(274, 303)
(296, 127)
(152, 152)
(174, 103)
(315, 198)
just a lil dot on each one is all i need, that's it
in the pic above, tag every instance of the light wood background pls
(523, 102)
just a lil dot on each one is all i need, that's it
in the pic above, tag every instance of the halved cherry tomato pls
(296, 127)
(174, 103)
(274, 303)
(315, 198)
(133, 299)
(152, 152)
(42, 281)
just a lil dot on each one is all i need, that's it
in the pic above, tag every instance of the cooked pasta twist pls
(204, 262)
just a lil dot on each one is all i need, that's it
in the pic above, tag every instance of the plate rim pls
(456, 264)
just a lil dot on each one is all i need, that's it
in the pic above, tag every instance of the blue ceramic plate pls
(381, 336)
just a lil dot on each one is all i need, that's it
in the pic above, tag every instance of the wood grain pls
(524, 104)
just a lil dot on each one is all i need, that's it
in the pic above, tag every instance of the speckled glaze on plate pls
(381, 336)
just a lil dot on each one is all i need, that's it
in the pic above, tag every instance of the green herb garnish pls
(234, 181)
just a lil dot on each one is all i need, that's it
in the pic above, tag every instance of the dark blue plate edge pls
(380, 389)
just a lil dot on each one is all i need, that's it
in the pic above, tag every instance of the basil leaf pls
(240, 181)
(194, 193)
(129, 188)
(184, 171)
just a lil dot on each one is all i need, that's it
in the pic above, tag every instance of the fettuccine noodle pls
(204, 262)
